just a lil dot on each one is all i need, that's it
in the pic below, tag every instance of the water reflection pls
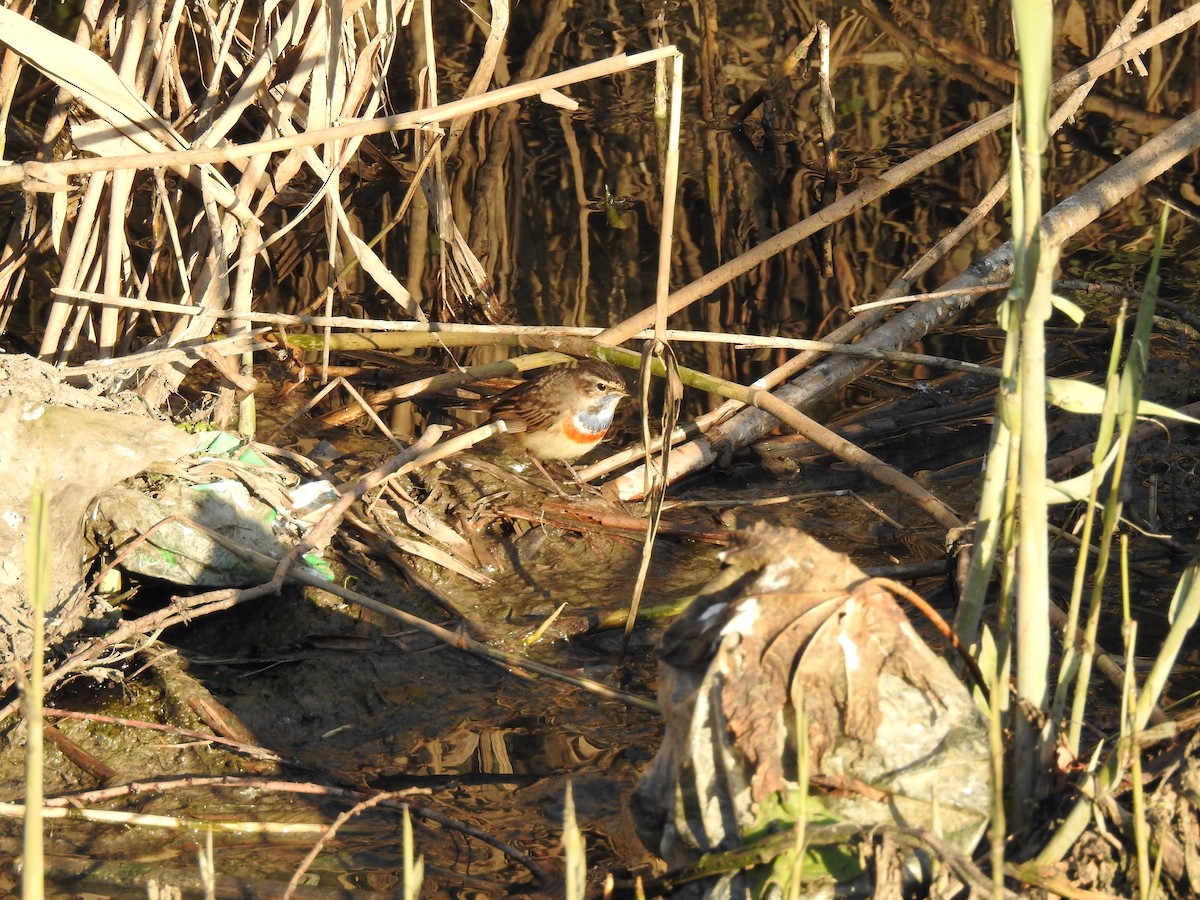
(478, 748)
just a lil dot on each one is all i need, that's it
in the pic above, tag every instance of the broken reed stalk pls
(319, 534)
(569, 340)
(657, 349)
(148, 820)
(530, 336)
(63, 806)
(330, 832)
(221, 347)
(446, 381)
(801, 424)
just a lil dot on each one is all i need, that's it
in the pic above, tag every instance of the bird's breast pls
(568, 438)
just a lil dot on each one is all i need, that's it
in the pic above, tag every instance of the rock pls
(75, 453)
(893, 736)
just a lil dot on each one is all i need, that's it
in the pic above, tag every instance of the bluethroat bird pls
(563, 413)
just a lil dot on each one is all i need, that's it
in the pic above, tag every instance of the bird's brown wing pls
(521, 408)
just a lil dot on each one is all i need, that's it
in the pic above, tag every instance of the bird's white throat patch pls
(597, 418)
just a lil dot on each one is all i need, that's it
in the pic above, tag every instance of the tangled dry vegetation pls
(170, 164)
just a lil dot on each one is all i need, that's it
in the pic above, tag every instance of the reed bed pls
(176, 159)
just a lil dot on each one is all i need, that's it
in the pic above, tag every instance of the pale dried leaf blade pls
(377, 269)
(58, 218)
(559, 99)
(440, 557)
(365, 81)
(98, 137)
(767, 652)
(429, 523)
(1077, 396)
(83, 74)
(1079, 488)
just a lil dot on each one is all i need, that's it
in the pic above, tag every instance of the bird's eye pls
(603, 386)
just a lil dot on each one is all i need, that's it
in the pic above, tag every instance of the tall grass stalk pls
(994, 530)
(414, 866)
(1129, 697)
(993, 510)
(39, 591)
(1087, 647)
(803, 777)
(1104, 441)
(574, 851)
(998, 826)
(1129, 395)
(1185, 609)
(1031, 292)
(658, 348)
